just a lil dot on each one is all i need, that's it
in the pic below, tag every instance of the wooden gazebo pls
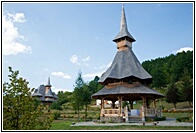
(126, 80)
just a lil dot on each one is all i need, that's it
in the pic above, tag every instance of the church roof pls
(39, 91)
(125, 64)
(49, 93)
(45, 96)
(124, 33)
(120, 90)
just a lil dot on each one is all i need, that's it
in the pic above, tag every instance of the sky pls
(59, 40)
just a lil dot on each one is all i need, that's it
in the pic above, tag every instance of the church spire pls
(123, 24)
(48, 84)
(124, 33)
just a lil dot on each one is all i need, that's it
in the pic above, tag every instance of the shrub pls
(103, 122)
(191, 119)
(97, 116)
(148, 119)
(57, 114)
(160, 119)
(89, 117)
(56, 105)
(183, 119)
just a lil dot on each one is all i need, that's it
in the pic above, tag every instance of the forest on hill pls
(169, 69)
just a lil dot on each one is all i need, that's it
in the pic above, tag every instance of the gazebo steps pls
(134, 119)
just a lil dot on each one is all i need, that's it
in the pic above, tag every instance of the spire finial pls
(49, 80)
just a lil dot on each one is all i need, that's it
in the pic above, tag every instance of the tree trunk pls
(174, 105)
(131, 104)
(86, 112)
(78, 114)
(190, 104)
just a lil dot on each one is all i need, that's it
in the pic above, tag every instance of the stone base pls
(111, 119)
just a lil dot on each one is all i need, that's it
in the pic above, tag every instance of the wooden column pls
(113, 104)
(120, 105)
(131, 104)
(102, 106)
(143, 108)
(143, 116)
(154, 105)
(144, 104)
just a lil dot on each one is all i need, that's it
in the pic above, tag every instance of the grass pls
(166, 105)
(65, 125)
(177, 115)
(92, 112)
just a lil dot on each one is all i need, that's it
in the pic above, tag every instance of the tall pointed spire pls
(123, 23)
(48, 84)
(124, 33)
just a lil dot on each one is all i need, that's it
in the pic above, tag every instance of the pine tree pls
(173, 95)
(20, 110)
(77, 96)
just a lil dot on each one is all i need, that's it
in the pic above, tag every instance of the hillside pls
(170, 68)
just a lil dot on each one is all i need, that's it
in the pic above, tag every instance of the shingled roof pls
(125, 64)
(137, 89)
(43, 95)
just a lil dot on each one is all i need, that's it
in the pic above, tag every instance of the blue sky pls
(61, 39)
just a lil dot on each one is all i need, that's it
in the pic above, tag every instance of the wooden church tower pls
(126, 80)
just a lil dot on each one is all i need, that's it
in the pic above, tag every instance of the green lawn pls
(177, 115)
(93, 112)
(65, 125)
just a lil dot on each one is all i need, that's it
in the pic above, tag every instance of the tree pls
(56, 105)
(165, 69)
(186, 87)
(94, 85)
(20, 110)
(63, 97)
(172, 95)
(86, 98)
(77, 96)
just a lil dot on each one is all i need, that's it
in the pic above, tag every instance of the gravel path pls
(167, 122)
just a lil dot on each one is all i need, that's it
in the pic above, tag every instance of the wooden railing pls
(152, 112)
(110, 112)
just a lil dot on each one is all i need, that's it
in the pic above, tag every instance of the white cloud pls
(92, 75)
(74, 59)
(18, 17)
(184, 49)
(106, 66)
(86, 59)
(61, 74)
(10, 36)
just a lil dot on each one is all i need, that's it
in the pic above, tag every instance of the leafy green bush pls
(160, 119)
(97, 116)
(103, 122)
(147, 119)
(56, 105)
(183, 119)
(57, 114)
(191, 119)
